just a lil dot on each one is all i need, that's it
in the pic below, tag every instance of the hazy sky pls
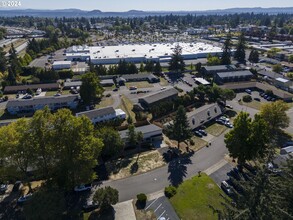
(152, 5)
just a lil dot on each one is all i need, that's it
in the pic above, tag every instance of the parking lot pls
(162, 208)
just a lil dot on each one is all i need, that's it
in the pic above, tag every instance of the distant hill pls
(134, 13)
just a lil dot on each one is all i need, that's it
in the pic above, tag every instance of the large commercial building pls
(138, 53)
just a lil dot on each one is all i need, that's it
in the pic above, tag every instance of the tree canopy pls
(90, 88)
(177, 63)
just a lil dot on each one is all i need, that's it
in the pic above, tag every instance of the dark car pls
(234, 174)
(89, 206)
(115, 90)
(226, 188)
(250, 168)
(17, 186)
(203, 132)
(197, 133)
(257, 99)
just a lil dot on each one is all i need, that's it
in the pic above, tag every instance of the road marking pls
(161, 214)
(158, 207)
(215, 167)
(151, 203)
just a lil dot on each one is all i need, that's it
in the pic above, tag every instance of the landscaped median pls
(196, 198)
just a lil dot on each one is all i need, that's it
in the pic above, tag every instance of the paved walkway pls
(215, 167)
(124, 211)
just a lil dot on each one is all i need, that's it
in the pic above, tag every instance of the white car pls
(229, 125)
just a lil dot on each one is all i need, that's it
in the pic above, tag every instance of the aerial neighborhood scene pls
(146, 110)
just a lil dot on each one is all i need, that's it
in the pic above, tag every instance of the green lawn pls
(216, 129)
(163, 81)
(194, 198)
(142, 84)
(253, 104)
(127, 106)
(198, 143)
(106, 102)
(52, 93)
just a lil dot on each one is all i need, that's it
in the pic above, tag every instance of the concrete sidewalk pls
(124, 211)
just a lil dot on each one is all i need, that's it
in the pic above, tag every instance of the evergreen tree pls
(3, 61)
(177, 63)
(226, 55)
(239, 54)
(179, 130)
(254, 56)
(158, 67)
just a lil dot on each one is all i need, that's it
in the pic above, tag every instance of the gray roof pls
(31, 86)
(97, 112)
(138, 76)
(235, 74)
(107, 81)
(160, 95)
(202, 115)
(144, 129)
(269, 74)
(72, 84)
(219, 67)
(41, 100)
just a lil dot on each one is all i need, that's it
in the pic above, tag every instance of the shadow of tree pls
(108, 214)
(177, 168)
(134, 167)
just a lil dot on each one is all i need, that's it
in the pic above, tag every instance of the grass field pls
(106, 101)
(128, 166)
(163, 81)
(253, 104)
(127, 106)
(216, 129)
(52, 93)
(194, 198)
(139, 85)
(198, 143)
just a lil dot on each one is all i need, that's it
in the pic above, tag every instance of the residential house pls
(235, 76)
(152, 134)
(29, 106)
(103, 114)
(151, 100)
(44, 87)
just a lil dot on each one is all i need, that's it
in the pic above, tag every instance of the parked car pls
(115, 90)
(24, 198)
(250, 168)
(226, 187)
(27, 97)
(132, 88)
(248, 91)
(229, 125)
(89, 206)
(3, 188)
(229, 106)
(197, 133)
(203, 132)
(82, 188)
(257, 99)
(17, 186)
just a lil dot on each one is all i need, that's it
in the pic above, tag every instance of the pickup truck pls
(83, 187)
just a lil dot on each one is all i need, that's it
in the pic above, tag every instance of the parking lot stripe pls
(158, 207)
(161, 214)
(151, 204)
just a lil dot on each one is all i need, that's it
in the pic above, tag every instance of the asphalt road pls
(174, 172)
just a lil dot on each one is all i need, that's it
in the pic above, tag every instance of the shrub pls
(108, 95)
(192, 142)
(170, 191)
(247, 98)
(141, 198)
